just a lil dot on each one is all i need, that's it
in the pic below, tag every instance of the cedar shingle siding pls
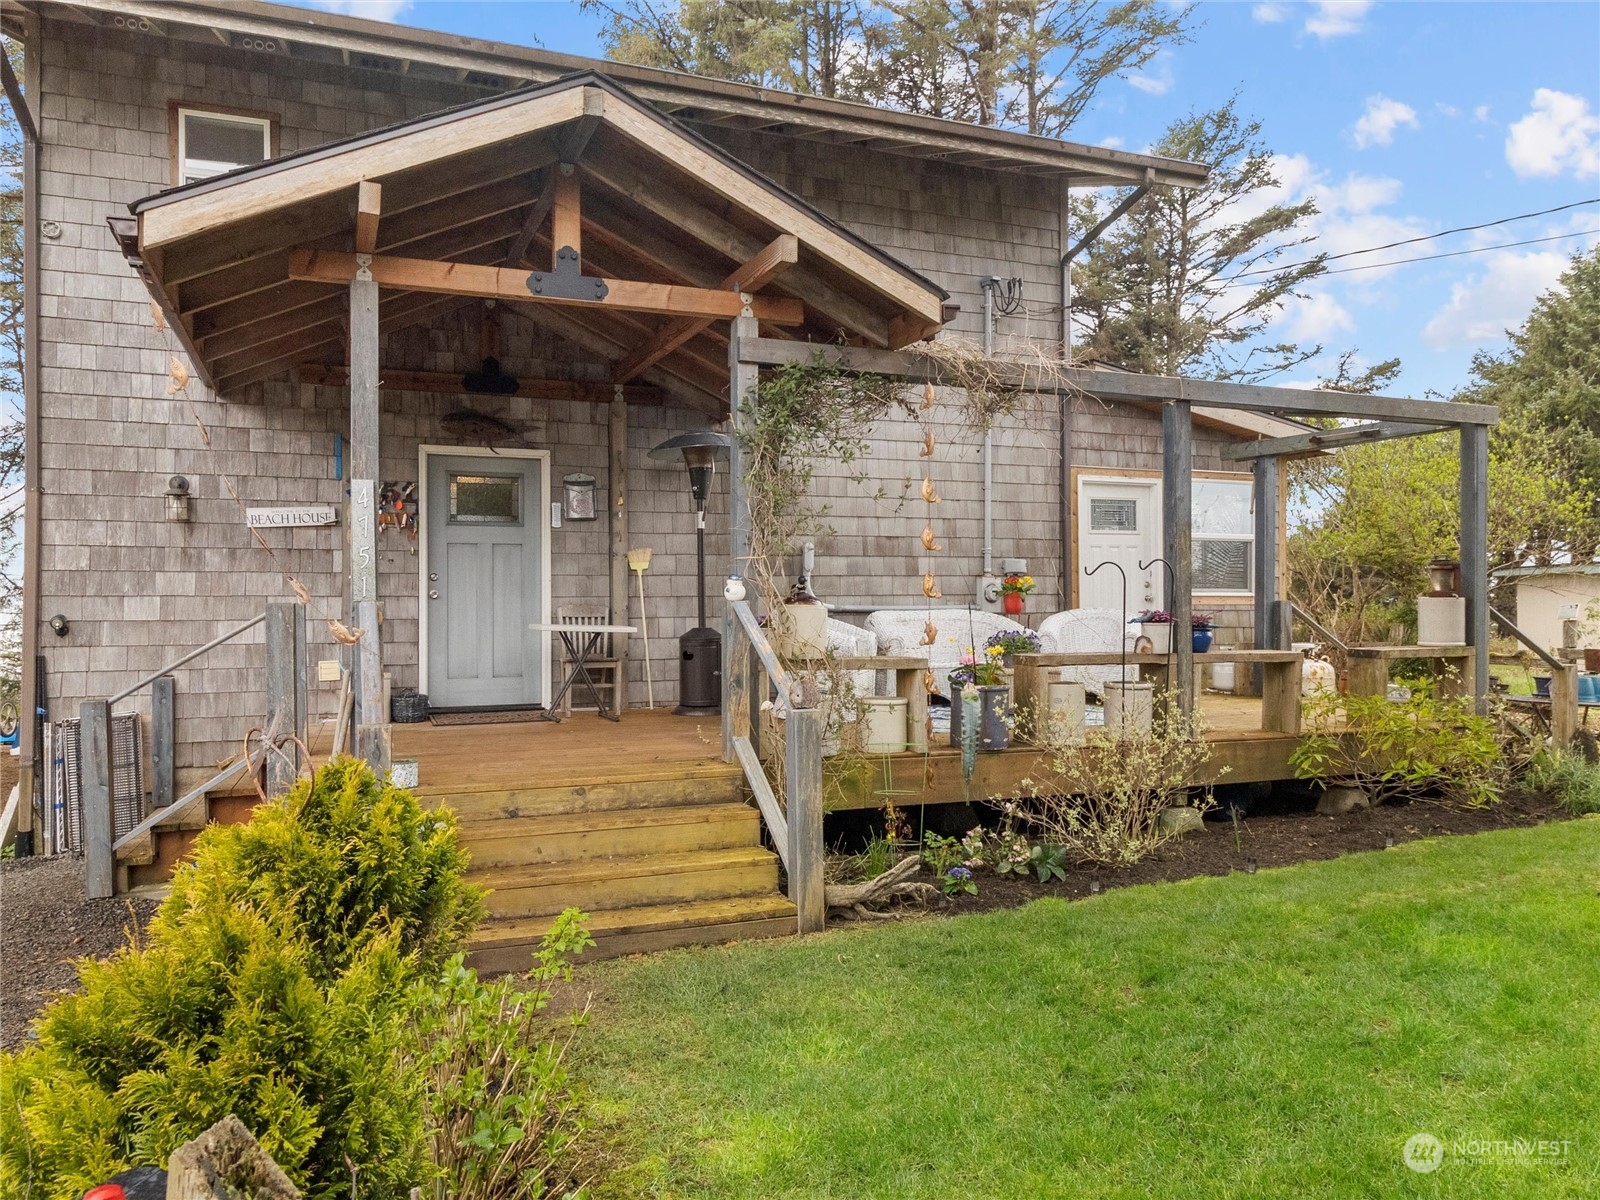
(138, 590)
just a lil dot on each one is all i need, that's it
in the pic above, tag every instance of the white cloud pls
(1270, 14)
(1558, 136)
(1335, 18)
(1482, 308)
(374, 10)
(1157, 81)
(1383, 116)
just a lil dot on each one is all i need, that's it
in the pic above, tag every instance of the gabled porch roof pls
(672, 237)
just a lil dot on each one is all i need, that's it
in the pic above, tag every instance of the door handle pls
(433, 593)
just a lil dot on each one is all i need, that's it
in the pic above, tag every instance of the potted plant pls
(984, 673)
(1013, 642)
(1014, 590)
(1203, 629)
(1155, 624)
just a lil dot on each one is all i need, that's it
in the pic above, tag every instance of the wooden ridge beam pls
(448, 384)
(774, 259)
(506, 283)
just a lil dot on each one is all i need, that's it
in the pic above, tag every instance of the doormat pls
(517, 716)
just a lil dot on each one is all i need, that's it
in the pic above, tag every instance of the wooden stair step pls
(509, 841)
(508, 944)
(628, 882)
(537, 800)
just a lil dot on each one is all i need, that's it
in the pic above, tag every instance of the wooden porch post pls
(618, 484)
(1475, 552)
(1177, 469)
(372, 724)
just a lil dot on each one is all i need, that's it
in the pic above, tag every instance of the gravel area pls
(45, 924)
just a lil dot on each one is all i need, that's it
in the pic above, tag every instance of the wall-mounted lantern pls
(178, 500)
(580, 497)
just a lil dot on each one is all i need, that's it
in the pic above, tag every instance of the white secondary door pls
(1119, 521)
(484, 580)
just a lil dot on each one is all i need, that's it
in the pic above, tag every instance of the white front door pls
(1119, 521)
(484, 580)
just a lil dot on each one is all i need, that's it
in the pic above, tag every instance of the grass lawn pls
(1281, 1034)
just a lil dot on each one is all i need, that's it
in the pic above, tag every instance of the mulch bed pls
(1275, 835)
(45, 923)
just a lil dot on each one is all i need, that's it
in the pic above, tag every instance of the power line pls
(1427, 237)
(1556, 237)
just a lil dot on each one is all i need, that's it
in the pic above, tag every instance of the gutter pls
(28, 699)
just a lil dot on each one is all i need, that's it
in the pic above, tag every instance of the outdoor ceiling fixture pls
(699, 694)
(179, 507)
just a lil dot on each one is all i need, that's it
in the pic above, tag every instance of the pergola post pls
(1177, 516)
(1475, 552)
(372, 726)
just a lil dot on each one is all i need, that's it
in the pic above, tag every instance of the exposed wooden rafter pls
(505, 283)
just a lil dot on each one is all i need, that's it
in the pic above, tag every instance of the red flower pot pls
(1013, 603)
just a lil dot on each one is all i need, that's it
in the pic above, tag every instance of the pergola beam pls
(505, 283)
(1331, 439)
(1120, 387)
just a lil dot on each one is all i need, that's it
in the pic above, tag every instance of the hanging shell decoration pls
(928, 443)
(930, 634)
(928, 492)
(928, 540)
(929, 398)
(930, 589)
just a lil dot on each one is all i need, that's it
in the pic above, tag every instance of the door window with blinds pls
(211, 143)
(1224, 535)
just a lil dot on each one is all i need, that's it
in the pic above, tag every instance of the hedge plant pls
(273, 984)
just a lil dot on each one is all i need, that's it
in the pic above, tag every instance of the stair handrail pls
(752, 672)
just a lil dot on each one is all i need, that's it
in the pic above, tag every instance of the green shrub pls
(273, 984)
(501, 1121)
(1567, 778)
(1400, 749)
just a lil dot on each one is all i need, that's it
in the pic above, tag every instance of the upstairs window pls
(207, 142)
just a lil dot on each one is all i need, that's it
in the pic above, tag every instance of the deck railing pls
(751, 676)
(286, 682)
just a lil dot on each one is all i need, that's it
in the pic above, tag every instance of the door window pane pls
(1113, 516)
(485, 499)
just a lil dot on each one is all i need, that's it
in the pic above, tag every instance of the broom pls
(639, 563)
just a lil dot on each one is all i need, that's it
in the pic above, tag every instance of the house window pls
(1224, 535)
(209, 143)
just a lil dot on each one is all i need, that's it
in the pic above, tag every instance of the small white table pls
(582, 643)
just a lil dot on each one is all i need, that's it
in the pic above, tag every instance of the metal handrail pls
(1550, 660)
(189, 657)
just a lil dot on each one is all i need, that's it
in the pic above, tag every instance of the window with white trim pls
(210, 143)
(1224, 535)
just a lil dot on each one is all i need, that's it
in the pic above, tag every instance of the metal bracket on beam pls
(567, 281)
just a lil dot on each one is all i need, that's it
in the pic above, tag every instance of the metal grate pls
(1113, 516)
(127, 780)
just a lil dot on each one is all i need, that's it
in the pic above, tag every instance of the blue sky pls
(1403, 119)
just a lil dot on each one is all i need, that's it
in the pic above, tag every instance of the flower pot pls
(1012, 603)
(1160, 635)
(994, 730)
(1201, 640)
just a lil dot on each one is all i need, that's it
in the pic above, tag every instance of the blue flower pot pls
(1201, 640)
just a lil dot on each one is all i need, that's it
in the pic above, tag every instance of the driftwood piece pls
(226, 1162)
(856, 899)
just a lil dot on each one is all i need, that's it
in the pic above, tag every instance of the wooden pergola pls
(574, 204)
(1380, 417)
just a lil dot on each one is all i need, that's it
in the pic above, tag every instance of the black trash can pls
(700, 673)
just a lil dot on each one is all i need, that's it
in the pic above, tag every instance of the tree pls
(1190, 279)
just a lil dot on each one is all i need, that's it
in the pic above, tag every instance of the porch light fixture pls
(699, 693)
(178, 500)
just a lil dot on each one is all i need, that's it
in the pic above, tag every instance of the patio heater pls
(700, 649)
